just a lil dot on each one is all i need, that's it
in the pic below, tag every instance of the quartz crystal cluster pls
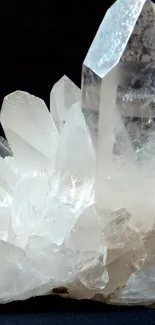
(77, 202)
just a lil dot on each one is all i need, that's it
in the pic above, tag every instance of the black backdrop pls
(41, 40)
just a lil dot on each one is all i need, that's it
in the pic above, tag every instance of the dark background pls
(40, 41)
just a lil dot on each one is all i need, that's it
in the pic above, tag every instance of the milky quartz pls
(77, 212)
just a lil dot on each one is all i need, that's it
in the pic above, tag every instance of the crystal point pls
(63, 95)
(34, 125)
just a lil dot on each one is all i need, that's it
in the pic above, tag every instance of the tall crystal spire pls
(117, 90)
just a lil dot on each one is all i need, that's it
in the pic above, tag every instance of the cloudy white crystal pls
(26, 117)
(63, 95)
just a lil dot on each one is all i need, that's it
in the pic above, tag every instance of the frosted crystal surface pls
(63, 95)
(77, 212)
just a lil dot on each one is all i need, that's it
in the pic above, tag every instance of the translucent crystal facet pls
(29, 128)
(63, 95)
(75, 168)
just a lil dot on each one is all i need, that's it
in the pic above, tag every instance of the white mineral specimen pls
(77, 212)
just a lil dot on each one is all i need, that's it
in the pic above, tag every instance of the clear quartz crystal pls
(44, 189)
(29, 129)
(119, 67)
(63, 95)
(77, 213)
(118, 102)
(90, 251)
